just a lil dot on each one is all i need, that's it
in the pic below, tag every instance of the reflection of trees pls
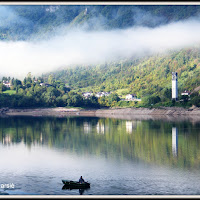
(150, 140)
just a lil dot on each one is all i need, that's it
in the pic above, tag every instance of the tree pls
(151, 100)
(92, 102)
(60, 102)
(17, 82)
(113, 97)
(20, 91)
(167, 93)
(196, 101)
(77, 100)
(51, 79)
(29, 78)
(24, 81)
(103, 101)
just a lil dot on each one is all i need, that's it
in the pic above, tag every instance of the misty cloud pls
(92, 47)
(8, 17)
(145, 18)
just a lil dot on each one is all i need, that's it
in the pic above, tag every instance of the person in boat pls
(81, 180)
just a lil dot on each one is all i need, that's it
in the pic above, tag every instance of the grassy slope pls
(9, 92)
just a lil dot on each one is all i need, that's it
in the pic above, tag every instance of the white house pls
(130, 97)
(52, 8)
(185, 93)
(45, 84)
(101, 94)
(87, 94)
(42, 84)
(7, 84)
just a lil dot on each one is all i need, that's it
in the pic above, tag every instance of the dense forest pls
(33, 92)
(149, 78)
(24, 22)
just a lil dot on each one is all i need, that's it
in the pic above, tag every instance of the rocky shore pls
(121, 113)
(175, 111)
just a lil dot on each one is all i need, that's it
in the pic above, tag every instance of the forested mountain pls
(145, 76)
(24, 22)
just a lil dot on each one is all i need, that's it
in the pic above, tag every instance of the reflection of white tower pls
(174, 85)
(174, 141)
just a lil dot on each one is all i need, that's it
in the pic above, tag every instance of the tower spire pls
(174, 85)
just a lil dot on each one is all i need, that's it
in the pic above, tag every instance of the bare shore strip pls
(165, 113)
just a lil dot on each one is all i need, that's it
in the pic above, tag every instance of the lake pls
(117, 156)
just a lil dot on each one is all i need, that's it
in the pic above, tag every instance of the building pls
(7, 84)
(185, 93)
(130, 97)
(101, 94)
(52, 9)
(174, 85)
(45, 84)
(87, 95)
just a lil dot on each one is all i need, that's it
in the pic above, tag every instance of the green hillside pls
(147, 76)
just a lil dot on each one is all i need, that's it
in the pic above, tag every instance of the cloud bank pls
(77, 47)
(8, 18)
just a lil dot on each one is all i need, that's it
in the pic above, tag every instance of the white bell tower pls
(174, 85)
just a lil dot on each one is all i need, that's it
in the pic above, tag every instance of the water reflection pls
(153, 141)
(129, 126)
(132, 125)
(174, 141)
(100, 128)
(6, 140)
(81, 191)
(87, 127)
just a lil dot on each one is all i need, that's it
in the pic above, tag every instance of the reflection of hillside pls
(6, 140)
(87, 127)
(100, 128)
(150, 140)
(170, 118)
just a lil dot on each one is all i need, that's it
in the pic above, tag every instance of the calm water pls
(118, 157)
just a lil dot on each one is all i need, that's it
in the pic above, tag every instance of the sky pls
(82, 47)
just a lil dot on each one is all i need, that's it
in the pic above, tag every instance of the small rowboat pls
(75, 184)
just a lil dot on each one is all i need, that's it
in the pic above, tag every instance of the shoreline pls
(130, 111)
(165, 113)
